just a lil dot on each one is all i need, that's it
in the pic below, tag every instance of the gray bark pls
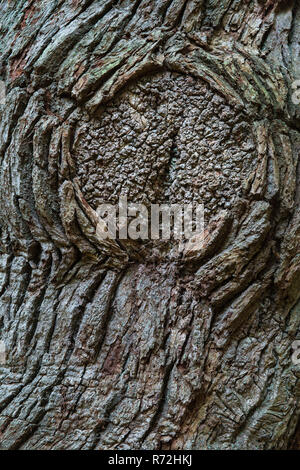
(129, 345)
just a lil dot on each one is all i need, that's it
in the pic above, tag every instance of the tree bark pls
(126, 344)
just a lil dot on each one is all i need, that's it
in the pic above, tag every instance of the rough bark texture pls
(130, 345)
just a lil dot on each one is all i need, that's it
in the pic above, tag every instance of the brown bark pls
(128, 345)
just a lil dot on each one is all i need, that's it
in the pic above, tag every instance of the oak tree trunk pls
(132, 344)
